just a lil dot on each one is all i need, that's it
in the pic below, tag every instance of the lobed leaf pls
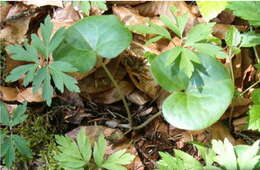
(199, 32)
(4, 119)
(18, 114)
(254, 118)
(22, 146)
(99, 150)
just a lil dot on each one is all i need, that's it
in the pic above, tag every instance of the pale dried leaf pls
(14, 31)
(8, 93)
(38, 3)
(29, 96)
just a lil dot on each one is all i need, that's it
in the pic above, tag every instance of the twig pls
(250, 87)
(120, 94)
(147, 121)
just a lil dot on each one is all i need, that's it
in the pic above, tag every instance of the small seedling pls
(42, 69)
(11, 142)
(78, 154)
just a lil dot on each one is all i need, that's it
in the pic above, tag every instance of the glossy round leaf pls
(167, 74)
(105, 36)
(83, 60)
(200, 107)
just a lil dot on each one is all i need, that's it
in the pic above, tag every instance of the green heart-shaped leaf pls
(93, 36)
(200, 107)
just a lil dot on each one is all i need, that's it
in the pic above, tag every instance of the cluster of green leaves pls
(91, 38)
(235, 40)
(229, 157)
(254, 112)
(77, 154)
(9, 142)
(191, 72)
(42, 70)
(249, 11)
(197, 38)
(85, 6)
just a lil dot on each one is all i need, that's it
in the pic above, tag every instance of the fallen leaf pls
(38, 3)
(65, 17)
(138, 97)
(219, 132)
(29, 96)
(14, 31)
(163, 8)
(8, 93)
(112, 95)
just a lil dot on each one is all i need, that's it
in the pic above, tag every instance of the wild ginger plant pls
(200, 86)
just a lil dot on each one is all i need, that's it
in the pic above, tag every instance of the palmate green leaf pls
(22, 146)
(46, 31)
(169, 76)
(29, 75)
(99, 150)
(210, 49)
(47, 90)
(256, 96)
(85, 6)
(19, 53)
(18, 114)
(206, 153)
(152, 28)
(188, 161)
(226, 156)
(233, 37)
(56, 39)
(99, 4)
(187, 60)
(103, 36)
(199, 32)
(38, 44)
(197, 108)
(5, 145)
(9, 157)
(69, 155)
(19, 71)
(170, 24)
(39, 78)
(250, 39)
(167, 162)
(4, 117)
(118, 159)
(84, 145)
(247, 157)
(249, 11)
(211, 9)
(254, 118)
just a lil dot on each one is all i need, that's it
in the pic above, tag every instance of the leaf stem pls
(120, 94)
(147, 121)
(255, 51)
(231, 65)
(250, 87)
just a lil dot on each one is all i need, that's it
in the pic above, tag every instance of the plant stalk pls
(250, 87)
(147, 121)
(129, 116)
